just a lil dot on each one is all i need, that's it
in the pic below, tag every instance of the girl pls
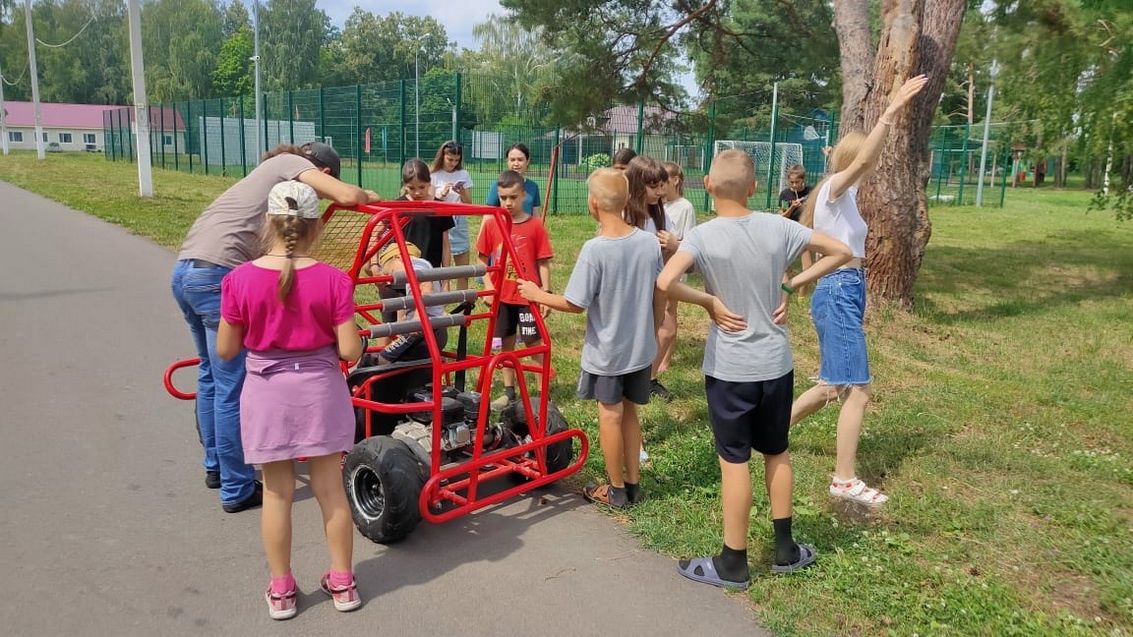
(518, 158)
(680, 218)
(648, 182)
(838, 303)
(294, 315)
(622, 158)
(452, 183)
(429, 233)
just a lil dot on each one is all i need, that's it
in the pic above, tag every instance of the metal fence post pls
(456, 110)
(640, 126)
(555, 178)
(290, 118)
(402, 162)
(189, 117)
(771, 155)
(205, 135)
(161, 124)
(267, 141)
(358, 130)
(223, 150)
(963, 165)
(243, 139)
(322, 115)
(176, 146)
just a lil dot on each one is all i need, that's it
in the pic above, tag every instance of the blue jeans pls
(197, 291)
(838, 309)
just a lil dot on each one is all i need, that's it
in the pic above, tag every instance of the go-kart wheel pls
(559, 454)
(383, 481)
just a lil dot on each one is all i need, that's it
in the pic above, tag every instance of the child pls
(838, 303)
(680, 217)
(408, 347)
(613, 281)
(748, 370)
(294, 315)
(518, 158)
(452, 183)
(533, 263)
(648, 182)
(793, 197)
(622, 158)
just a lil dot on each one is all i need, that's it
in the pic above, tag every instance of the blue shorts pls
(838, 308)
(458, 235)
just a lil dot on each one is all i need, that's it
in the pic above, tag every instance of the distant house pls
(79, 127)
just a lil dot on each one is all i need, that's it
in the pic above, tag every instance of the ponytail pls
(807, 218)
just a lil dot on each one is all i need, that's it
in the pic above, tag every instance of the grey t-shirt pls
(613, 279)
(228, 231)
(743, 260)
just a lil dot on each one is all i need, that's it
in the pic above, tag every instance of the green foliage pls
(511, 75)
(596, 161)
(374, 48)
(792, 43)
(180, 40)
(234, 73)
(292, 32)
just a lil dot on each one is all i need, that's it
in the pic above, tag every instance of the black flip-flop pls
(807, 556)
(707, 574)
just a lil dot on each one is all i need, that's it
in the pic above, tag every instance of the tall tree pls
(180, 39)
(236, 18)
(916, 37)
(512, 71)
(234, 73)
(376, 48)
(292, 32)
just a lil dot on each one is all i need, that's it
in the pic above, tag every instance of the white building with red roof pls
(79, 127)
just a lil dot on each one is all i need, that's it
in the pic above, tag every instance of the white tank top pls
(840, 218)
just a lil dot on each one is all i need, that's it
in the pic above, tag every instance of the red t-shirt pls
(531, 243)
(321, 298)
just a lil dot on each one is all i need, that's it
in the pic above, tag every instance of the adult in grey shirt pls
(224, 236)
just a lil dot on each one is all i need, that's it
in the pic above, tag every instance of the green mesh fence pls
(376, 127)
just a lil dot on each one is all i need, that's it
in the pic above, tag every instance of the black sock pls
(618, 496)
(731, 564)
(786, 551)
(633, 492)
(510, 393)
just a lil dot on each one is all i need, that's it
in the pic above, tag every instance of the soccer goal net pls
(780, 159)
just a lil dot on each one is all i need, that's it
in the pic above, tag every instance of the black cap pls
(323, 156)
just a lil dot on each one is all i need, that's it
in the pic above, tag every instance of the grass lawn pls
(1001, 425)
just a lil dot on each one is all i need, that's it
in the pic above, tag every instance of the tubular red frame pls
(453, 490)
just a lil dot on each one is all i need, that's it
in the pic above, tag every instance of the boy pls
(793, 197)
(533, 262)
(613, 280)
(407, 347)
(749, 378)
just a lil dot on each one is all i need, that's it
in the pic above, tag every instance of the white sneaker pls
(856, 491)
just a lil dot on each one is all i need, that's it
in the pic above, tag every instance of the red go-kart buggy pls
(426, 447)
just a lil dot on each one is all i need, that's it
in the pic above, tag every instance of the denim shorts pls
(838, 307)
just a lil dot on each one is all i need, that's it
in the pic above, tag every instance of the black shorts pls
(753, 415)
(513, 318)
(612, 390)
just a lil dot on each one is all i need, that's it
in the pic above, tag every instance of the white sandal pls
(855, 490)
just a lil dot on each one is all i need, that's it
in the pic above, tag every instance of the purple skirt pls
(294, 404)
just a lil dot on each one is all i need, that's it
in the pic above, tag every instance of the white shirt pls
(680, 217)
(442, 177)
(841, 219)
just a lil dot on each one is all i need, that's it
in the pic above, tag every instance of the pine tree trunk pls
(917, 37)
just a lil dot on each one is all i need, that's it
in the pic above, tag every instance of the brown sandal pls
(604, 494)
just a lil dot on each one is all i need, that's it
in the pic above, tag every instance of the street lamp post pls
(993, 71)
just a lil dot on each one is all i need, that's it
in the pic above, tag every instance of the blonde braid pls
(290, 238)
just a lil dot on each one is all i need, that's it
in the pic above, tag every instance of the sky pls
(457, 16)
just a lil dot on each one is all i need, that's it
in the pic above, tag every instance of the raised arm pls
(340, 192)
(867, 157)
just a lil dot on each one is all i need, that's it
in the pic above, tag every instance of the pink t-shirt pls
(321, 298)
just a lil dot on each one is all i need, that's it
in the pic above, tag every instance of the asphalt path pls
(106, 527)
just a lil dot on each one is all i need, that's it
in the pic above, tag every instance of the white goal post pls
(786, 155)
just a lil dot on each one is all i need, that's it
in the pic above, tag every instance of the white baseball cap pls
(294, 198)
